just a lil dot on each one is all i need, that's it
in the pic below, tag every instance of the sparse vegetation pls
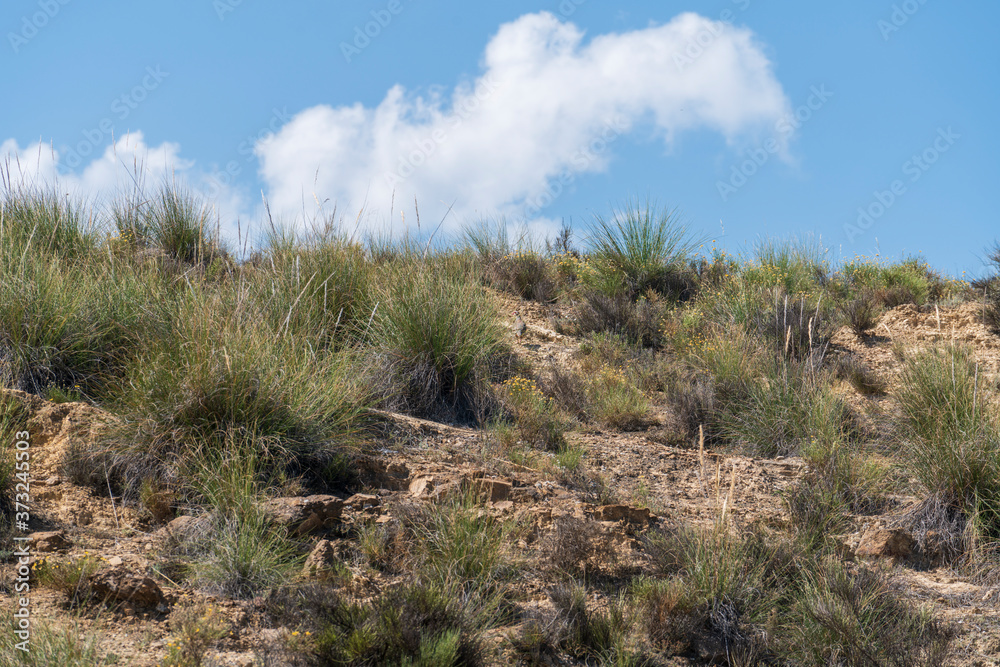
(519, 526)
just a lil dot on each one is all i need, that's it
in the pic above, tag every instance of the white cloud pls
(547, 108)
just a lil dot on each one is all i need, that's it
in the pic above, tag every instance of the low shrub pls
(535, 416)
(951, 435)
(640, 248)
(439, 343)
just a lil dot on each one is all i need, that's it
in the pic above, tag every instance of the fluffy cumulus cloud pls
(548, 107)
(115, 172)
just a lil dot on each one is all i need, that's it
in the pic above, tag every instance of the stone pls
(120, 584)
(362, 501)
(45, 542)
(623, 513)
(494, 490)
(189, 528)
(322, 561)
(883, 543)
(305, 514)
(420, 486)
(115, 561)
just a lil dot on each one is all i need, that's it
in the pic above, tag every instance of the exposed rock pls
(421, 485)
(363, 501)
(45, 542)
(885, 543)
(623, 513)
(303, 515)
(189, 528)
(321, 561)
(120, 584)
(494, 490)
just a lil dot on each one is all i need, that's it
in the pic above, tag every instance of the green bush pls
(222, 373)
(438, 343)
(952, 438)
(641, 248)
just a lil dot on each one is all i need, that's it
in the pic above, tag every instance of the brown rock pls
(886, 543)
(303, 515)
(421, 485)
(189, 528)
(45, 542)
(622, 513)
(321, 561)
(362, 501)
(120, 584)
(495, 490)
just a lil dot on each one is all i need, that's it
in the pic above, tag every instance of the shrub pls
(952, 436)
(535, 416)
(70, 577)
(640, 248)
(858, 618)
(196, 629)
(862, 312)
(797, 328)
(797, 265)
(66, 645)
(439, 342)
(221, 374)
(243, 553)
(850, 367)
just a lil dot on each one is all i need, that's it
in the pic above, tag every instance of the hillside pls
(336, 452)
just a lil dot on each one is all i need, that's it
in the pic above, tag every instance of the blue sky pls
(869, 123)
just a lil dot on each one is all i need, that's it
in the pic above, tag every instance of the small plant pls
(66, 645)
(196, 629)
(72, 577)
(534, 415)
(639, 248)
(616, 402)
(862, 312)
(952, 438)
(851, 368)
(439, 341)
